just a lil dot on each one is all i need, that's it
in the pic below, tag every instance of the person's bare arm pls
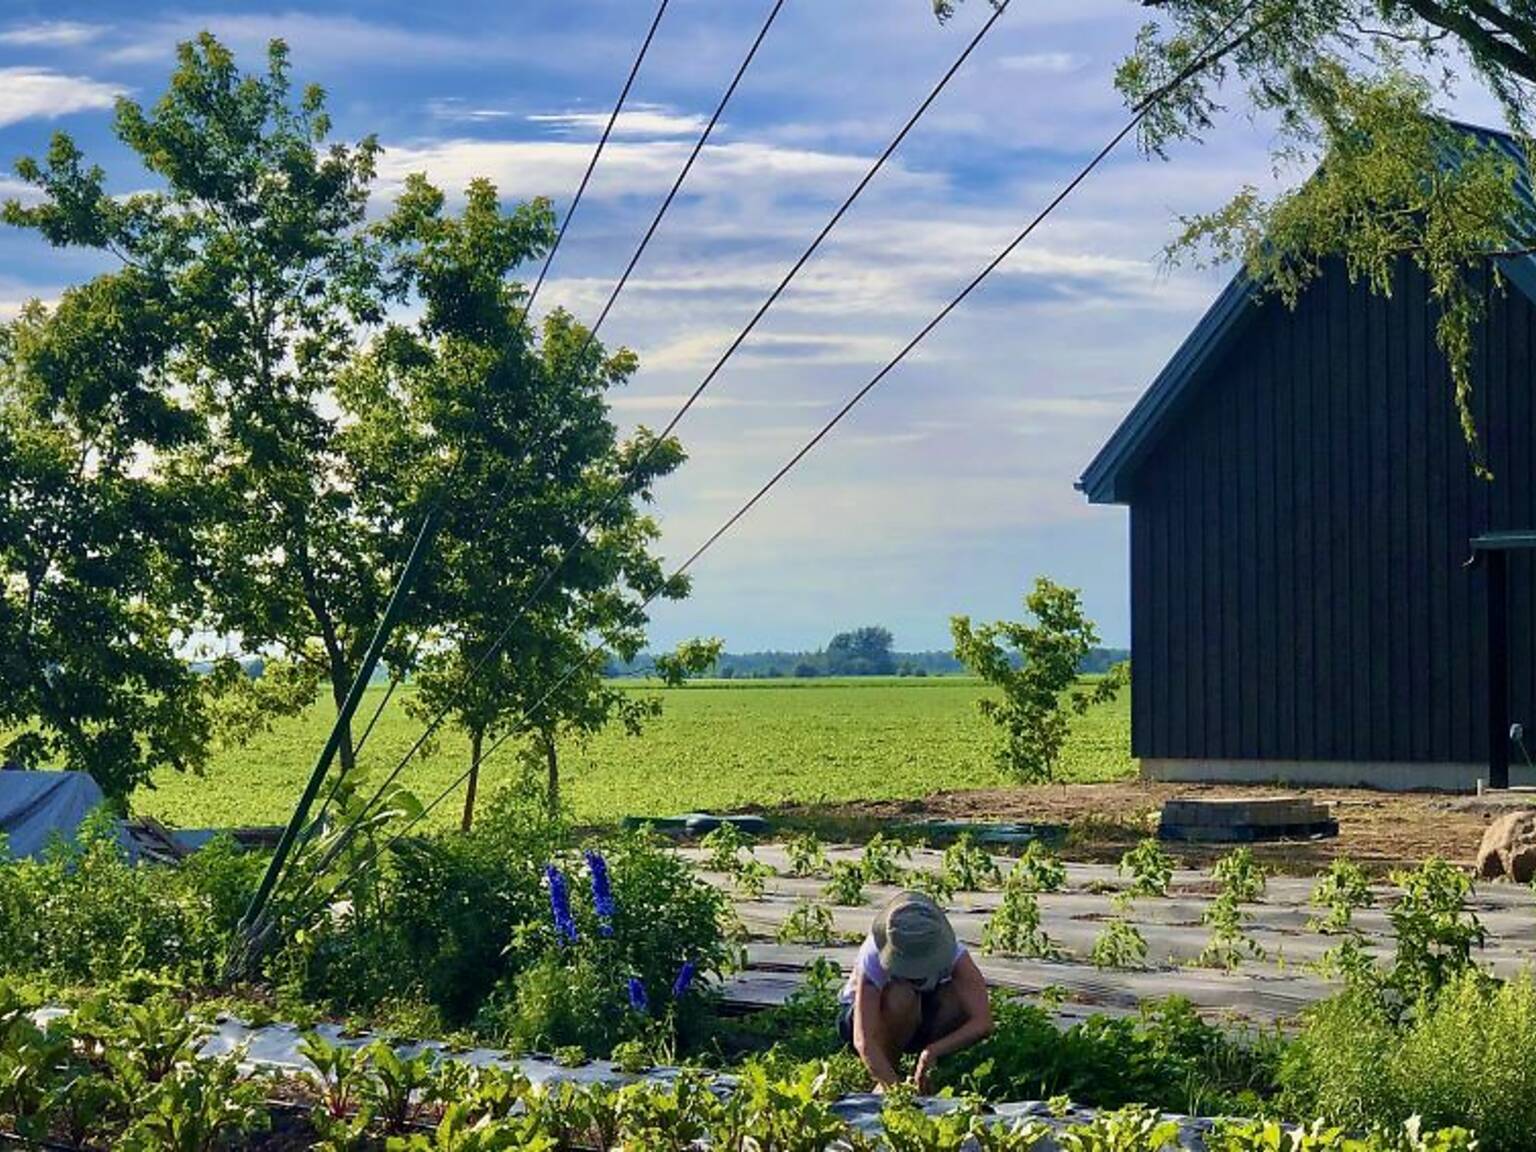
(971, 989)
(869, 1039)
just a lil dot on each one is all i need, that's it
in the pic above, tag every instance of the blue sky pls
(952, 486)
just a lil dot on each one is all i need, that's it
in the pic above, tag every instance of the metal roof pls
(1104, 480)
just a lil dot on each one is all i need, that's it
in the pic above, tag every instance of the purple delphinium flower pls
(560, 905)
(637, 998)
(684, 980)
(602, 892)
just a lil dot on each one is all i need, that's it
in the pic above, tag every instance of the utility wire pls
(1215, 49)
(527, 309)
(622, 490)
(592, 332)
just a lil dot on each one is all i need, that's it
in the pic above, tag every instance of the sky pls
(951, 488)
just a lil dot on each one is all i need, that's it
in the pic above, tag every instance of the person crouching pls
(914, 989)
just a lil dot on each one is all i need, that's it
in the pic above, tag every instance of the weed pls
(1240, 874)
(807, 923)
(1120, 945)
(806, 857)
(1150, 868)
(846, 886)
(1014, 929)
(1038, 869)
(969, 867)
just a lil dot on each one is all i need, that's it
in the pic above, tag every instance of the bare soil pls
(1379, 830)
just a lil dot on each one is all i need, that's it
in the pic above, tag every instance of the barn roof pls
(1103, 481)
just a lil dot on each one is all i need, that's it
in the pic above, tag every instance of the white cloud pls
(32, 93)
(672, 401)
(648, 120)
(456, 108)
(524, 168)
(1043, 63)
(316, 38)
(51, 34)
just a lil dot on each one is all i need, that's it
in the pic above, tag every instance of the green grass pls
(717, 745)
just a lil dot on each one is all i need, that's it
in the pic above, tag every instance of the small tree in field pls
(1035, 664)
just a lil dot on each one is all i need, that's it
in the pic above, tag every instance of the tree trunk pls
(552, 768)
(340, 685)
(476, 741)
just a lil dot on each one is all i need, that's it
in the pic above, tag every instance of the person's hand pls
(923, 1073)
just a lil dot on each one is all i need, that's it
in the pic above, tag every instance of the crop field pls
(717, 745)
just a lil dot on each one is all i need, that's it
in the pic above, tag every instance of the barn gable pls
(1302, 506)
(1107, 477)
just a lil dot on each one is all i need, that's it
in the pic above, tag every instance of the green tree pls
(89, 670)
(540, 472)
(1356, 89)
(1035, 664)
(862, 652)
(258, 268)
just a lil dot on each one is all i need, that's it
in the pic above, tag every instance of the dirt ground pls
(1379, 830)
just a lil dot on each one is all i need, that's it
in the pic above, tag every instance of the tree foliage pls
(238, 430)
(862, 652)
(1373, 174)
(1035, 664)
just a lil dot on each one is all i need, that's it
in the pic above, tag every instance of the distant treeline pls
(846, 656)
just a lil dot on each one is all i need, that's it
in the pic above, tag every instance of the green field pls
(717, 745)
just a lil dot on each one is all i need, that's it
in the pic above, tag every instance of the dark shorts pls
(929, 1007)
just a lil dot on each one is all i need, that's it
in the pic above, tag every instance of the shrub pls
(1165, 1055)
(846, 885)
(1240, 874)
(1038, 870)
(969, 867)
(1015, 927)
(1120, 945)
(1150, 868)
(1229, 940)
(883, 860)
(1454, 1061)
(723, 845)
(807, 923)
(1340, 890)
(806, 857)
(462, 921)
(1435, 930)
(85, 914)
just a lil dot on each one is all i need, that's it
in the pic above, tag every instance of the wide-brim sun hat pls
(914, 938)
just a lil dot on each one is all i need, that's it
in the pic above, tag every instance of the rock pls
(1509, 848)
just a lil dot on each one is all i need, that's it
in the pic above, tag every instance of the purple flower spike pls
(684, 981)
(637, 999)
(560, 905)
(602, 892)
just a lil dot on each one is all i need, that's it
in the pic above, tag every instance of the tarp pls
(35, 805)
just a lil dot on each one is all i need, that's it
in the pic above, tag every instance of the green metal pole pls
(392, 612)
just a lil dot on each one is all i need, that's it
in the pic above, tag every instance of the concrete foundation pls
(1390, 776)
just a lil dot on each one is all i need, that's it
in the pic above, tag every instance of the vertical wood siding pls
(1298, 537)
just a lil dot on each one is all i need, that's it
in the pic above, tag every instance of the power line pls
(549, 257)
(622, 490)
(592, 332)
(634, 259)
(1214, 51)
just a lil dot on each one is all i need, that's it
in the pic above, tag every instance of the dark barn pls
(1302, 511)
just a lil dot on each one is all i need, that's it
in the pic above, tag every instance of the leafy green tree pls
(257, 267)
(1355, 88)
(540, 473)
(1035, 664)
(89, 671)
(862, 652)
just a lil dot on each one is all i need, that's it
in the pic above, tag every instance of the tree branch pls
(1475, 36)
